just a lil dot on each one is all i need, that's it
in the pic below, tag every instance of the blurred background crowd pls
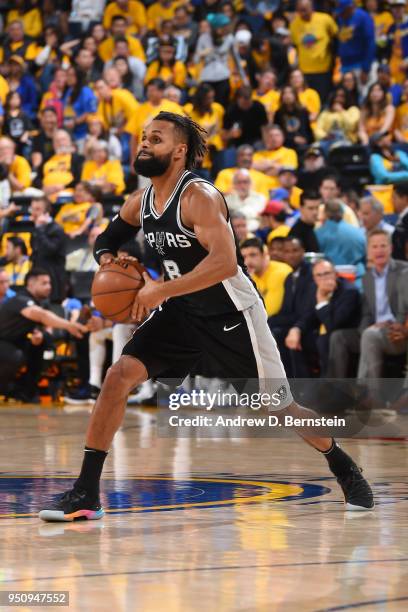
(306, 108)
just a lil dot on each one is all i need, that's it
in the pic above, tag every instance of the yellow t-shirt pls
(107, 47)
(135, 14)
(17, 272)
(212, 123)
(120, 111)
(72, 216)
(313, 40)
(294, 199)
(111, 171)
(283, 156)
(146, 112)
(176, 75)
(310, 99)
(57, 170)
(21, 170)
(271, 285)
(157, 13)
(30, 53)
(270, 100)
(261, 183)
(382, 22)
(401, 120)
(4, 89)
(31, 20)
(279, 232)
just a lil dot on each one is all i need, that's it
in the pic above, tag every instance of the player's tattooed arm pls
(203, 209)
(122, 228)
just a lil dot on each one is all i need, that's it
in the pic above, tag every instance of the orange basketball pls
(114, 289)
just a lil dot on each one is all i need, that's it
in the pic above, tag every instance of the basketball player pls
(207, 307)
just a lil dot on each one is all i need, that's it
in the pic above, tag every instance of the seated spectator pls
(96, 131)
(274, 156)
(336, 306)
(397, 39)
(133, 11)
(372, 216)
(102, 172)
(273, 219)
(79, 102)
(118, 29)
(298, 291)
(160, 11)
(48, 246)
(185, 27)
(394, 90)
(260, 181)
(269, 276)
(117, 108)
(77, 217)
(21, 81)
(90, 64)
(246, 200)
(244, 119)
(303, 229)
(52, 53)
(16, 262)
(373, 339)
(17, 124)
(350, 85)
(5, 292)
(382, 20)
(166, 67)
(82, 259)
(23, 339)
(53, 98)
(267, 92)
(245, 65)
(340, 242)
(387, 165)
(308, 98)
(16, 168)
(401, 117)
(293, 119)
(240, 226)
(132, 71)
(314, 169)
(29, 16)
(62, 170)
(337, 124)
(329, 189)
(209, 115)
(276, 247)
(288, 180)
(155, 103)
(377, 114)
(16, 43)
(42, 147)
(400, 235)
(83, 14)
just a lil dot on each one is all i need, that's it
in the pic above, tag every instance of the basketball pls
(114, 289)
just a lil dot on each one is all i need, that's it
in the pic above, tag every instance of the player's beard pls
(152, 166)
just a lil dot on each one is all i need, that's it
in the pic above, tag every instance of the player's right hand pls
(77, 329)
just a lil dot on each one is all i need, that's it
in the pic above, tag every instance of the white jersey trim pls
(168, 201)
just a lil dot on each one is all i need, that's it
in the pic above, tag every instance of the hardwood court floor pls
(201, 524)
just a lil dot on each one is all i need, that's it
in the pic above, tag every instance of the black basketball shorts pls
(239, 345)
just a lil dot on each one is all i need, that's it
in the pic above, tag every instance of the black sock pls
(91, 471)
(340, 463)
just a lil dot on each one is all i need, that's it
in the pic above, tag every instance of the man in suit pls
(285, 325)
(400, 236)
(375, 336)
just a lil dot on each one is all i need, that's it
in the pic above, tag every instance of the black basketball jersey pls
(180, 251)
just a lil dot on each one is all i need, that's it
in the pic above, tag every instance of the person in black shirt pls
(303, 229)
(244, 119)
(17, 124)
(43, 147)
(48, 243)
(293, 118)
(400, 235)
(21, 339)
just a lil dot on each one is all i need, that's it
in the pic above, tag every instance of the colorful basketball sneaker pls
(74, 505)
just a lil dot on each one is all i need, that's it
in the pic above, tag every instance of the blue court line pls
(362, 604)
(216, 568)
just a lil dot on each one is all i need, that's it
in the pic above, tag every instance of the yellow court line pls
(286, 489)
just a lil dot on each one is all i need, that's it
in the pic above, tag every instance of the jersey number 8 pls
(172, 269)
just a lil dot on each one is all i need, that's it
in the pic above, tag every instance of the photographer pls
(22, 338)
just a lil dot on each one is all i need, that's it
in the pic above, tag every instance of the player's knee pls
(123, 375)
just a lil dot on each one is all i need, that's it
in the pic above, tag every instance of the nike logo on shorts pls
(230, 328)
(145, 216)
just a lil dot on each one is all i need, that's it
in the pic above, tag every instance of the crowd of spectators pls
(306, 109)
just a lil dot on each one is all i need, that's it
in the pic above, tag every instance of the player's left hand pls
(148, 298)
